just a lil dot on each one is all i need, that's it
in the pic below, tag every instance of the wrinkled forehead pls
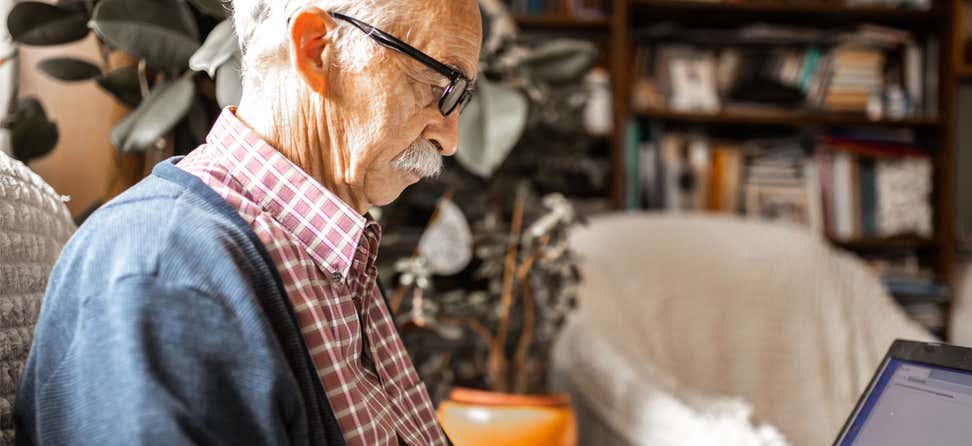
(451, 32)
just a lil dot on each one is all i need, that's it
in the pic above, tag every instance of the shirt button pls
(336, 277)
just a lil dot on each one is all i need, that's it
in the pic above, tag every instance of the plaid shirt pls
(325, 253)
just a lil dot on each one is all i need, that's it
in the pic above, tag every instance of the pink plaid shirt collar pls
(327, 227)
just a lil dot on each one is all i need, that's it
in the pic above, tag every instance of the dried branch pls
(497, 358)
(529, 317)
(399, 296)
(477, 327)
(481, 330)
(418, 314)
(526, 338)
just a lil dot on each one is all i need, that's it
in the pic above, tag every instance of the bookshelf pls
(785, 118)
(884, 244)
(820, 13)
(962, 44)
(561, 22)
(620, 31)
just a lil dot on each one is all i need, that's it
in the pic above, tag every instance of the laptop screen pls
(914, 404)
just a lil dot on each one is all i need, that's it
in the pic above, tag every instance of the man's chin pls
(389, 197)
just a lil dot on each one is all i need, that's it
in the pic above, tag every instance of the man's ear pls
(311, 31)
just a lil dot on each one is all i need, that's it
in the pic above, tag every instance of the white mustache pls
(421, 158)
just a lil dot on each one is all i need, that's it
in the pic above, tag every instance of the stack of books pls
(572, 8)
(856, 80)
(915, 288)
(875, 188)
(921, 5)
(780, 183)
(848, 185)
(877, 71)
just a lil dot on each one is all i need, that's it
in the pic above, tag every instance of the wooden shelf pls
(818, 13)
(562, 23)
(964, 73)
(783, 118)
(884, 244)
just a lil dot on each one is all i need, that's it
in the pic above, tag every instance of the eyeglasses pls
(460, 88)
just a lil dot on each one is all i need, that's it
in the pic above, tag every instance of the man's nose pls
(445, 132)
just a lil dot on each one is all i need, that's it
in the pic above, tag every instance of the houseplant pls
(152, 52)
(480, 304)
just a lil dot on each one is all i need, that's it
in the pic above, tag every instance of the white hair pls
(262, 27)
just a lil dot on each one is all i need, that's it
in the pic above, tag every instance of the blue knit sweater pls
(165, 323)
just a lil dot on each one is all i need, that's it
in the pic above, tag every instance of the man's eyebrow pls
(461, 68)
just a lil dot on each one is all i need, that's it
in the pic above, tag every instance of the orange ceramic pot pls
(478, 418)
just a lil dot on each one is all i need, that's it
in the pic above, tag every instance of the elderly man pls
(231, 297)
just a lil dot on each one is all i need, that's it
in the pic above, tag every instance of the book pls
(868, 198)
(574, 8)
(842, 196)
(723, 195)
(632, 182)
(874, 71)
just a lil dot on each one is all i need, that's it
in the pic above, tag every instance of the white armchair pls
(675, 310)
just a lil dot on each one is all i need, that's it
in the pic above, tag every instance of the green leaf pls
(214, 8)
(490, 126)
(229, 84)
(163, 32)
(561, 60)
(159, 112)
(69, 69)
(219, 47)
(73, 5)
(36, 23)
(32, 134)
(122, 83)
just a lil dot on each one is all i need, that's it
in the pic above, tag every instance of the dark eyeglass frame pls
(459, 84)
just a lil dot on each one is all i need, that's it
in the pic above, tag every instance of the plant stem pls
(481, 330)
(526, 338)
(529, 318)
(477, 327)
(9, 57)
(103, 50)
(143, 78)
(105, 55)
(397, 298)
(498, 364)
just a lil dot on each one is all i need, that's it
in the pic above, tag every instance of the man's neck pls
(304, 143)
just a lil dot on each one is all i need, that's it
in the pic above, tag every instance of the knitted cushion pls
(34, 226)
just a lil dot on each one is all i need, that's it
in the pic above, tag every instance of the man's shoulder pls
(167, 228)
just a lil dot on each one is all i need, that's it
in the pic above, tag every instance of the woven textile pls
(325, 253)
(682, 311)
(34, 225)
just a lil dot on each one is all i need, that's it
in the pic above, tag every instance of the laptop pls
(921, 395)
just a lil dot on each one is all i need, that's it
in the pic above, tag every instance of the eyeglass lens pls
(453, 96)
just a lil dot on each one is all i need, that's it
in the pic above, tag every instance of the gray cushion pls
(34, 226)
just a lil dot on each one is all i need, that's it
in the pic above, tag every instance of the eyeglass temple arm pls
(389, 41)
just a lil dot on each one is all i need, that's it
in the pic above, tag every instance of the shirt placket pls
(361, 280)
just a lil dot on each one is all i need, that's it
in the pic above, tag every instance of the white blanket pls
(706, 307)
(645, 407)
